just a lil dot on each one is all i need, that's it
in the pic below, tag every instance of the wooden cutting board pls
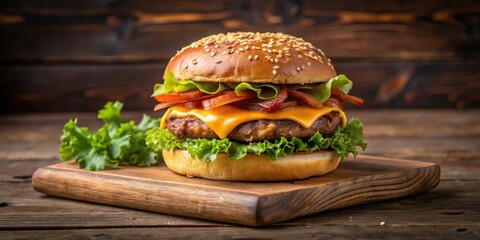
(157, 189)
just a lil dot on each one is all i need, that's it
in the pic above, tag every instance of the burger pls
(249, 106)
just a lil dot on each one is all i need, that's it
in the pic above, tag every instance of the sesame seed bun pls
(253, 168)
(252, 57)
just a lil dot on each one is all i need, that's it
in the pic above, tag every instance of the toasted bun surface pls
(253, 168)
(252, 57)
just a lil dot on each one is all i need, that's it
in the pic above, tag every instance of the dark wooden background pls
(75, 55)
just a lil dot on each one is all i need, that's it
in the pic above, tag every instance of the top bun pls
(252, 57)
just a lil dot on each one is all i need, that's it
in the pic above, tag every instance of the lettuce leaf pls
(264, 91)
(344, 141)
(323, 91)
(117, 142)
(171, 84)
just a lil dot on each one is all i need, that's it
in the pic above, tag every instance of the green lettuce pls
(264, 91)
(323, 91)
(344, 141)
(117, 142)
(171, 84)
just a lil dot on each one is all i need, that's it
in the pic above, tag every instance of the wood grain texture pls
(27, 209)
(131, 31)
(157, 189)
(88, 87)
(73, 56)
(449, 138)
(374, 231)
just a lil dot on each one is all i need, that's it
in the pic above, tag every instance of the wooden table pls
(450, 138)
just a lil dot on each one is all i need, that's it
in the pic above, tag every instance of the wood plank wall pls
(74, 55)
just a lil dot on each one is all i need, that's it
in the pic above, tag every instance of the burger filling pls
(254, 131)
(208, 118)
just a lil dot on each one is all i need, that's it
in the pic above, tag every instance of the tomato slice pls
(347, 98)
(179, 97)
(305, 97)
(227, 97)
(164, 105)
(194, 104)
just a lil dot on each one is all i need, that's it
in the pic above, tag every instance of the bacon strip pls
(305, 97)
(347, 98)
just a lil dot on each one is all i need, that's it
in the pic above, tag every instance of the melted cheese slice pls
(222, 120)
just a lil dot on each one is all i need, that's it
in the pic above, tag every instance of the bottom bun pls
(253, 168)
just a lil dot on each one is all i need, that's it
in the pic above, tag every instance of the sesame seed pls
(302, 67)
(186, 66)
(276, 67)
(213, 54)
(250, 57)
(218, 61)
(298, 69)
(277, 43)
(256, 57)
(309, 64)
(274, 72)
(194, 63)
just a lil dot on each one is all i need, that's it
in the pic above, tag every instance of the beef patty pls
(192, 127)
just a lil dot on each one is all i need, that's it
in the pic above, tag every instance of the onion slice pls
(334, 102)
(273, 105)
